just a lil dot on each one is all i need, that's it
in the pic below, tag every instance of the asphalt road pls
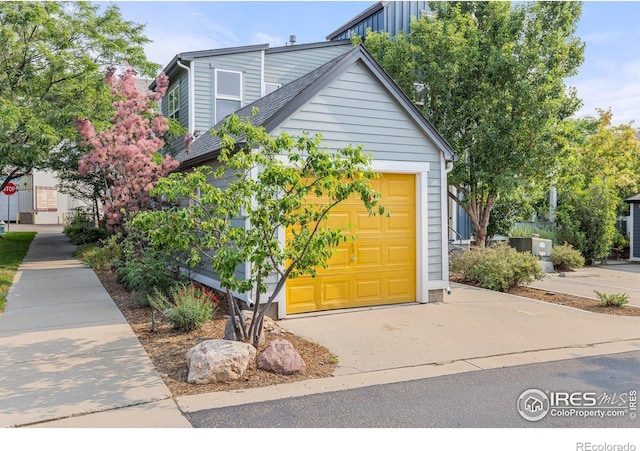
(480, 399)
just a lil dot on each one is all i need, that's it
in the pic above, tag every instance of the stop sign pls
(10, 189)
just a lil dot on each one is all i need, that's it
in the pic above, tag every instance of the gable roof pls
(187, 57)
(276, 107)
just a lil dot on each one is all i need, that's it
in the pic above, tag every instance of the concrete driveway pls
(474, 329)
(611, 278)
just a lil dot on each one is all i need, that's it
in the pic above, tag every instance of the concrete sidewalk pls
(69, 357)
(610, 278)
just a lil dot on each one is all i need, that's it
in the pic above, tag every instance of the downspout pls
(447, 169)
(191, 106)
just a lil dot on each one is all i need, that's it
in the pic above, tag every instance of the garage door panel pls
(338, 220)
(338, 261)
(366, 223)
(368, 289)
(401, 255)
(301, 298)
(369, 256)
(376, 268)
(401, 286)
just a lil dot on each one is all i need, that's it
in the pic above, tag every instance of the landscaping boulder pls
(218, 361)
(280, 357)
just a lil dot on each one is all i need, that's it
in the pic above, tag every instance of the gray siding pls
(204, 268)
(284, 67)
(356, 109)
(249, 63)
(177, 145)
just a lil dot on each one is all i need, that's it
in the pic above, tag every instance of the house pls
(38, 200)
(341, 92)
(394, 17)
(634, 227)
(390, 16)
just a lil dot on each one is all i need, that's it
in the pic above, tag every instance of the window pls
(174, 103)
(270, 87)
(228, 93)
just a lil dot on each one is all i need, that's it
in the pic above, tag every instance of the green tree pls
(598, 170)
(271, 185)
(51, 72)
(490, 78)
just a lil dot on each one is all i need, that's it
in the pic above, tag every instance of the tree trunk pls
(479, 212)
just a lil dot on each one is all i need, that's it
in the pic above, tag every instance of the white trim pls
(422, 244)
(172, 94)
(420, 170)
(400, 167)
(444, 197)
(262, 83)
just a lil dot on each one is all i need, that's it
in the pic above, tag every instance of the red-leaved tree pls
(126, 153)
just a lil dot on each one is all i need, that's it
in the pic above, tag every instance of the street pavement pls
(477, 399)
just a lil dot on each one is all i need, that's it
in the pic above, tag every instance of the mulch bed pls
(167, 347)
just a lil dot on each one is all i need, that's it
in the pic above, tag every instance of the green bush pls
(186, 307)
(498, 268)
(104, 256)
(564, 258)
(84, 234)
(613, 299)
(142, 269)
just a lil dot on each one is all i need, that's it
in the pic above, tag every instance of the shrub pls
(104, 256)
(564, 257)
(186, 307)
(499, 268)
(84, 234)
(613, 299)
(143, 269)
(528, 230)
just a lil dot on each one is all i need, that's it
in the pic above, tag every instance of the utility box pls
(541, 248)
(537, 246)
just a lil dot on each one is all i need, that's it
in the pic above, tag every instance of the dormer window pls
(174, 103)
(228, 93)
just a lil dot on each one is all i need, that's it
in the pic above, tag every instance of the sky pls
(608, 78)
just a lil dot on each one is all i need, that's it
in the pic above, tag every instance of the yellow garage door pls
(379, 267)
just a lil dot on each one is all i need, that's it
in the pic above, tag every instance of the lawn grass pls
(13, 248)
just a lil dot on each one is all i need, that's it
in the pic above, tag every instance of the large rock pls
(218, 361)
(280, 357)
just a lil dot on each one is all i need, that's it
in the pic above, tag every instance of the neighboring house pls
(634, 227)
(394, 17)
(38, 200)
(391, 16)
(341, 92)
